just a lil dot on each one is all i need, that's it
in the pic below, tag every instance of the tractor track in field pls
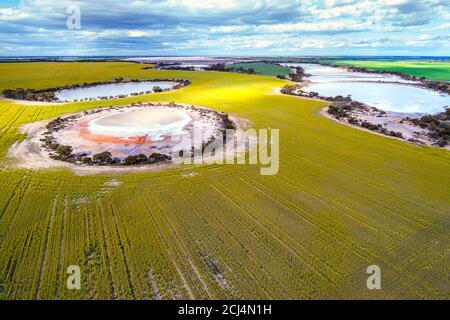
(11, 124)
(310, 219)
(60, 249)
(368, 182)
(262, 287)
(376, 257)
(186, 254)
(44, 252)
(342, 208)
(122, 250)
(222, 225)
(8, 202)
(375, 186)
(112, 294)
(282, 242)
(25, 247)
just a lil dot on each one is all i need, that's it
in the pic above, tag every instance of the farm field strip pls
(335, 232)
(380, 188)
(18, 224)
(326, 203)
(194, 285)
(258, 236)
(430, 70)
(200, 283)
(379, 258)
(45, 245)
(173, 261)
(221, 247)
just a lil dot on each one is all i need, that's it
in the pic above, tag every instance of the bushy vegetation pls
(342, 110)
(65, 152)
(439, 71)
(262, 68)
(438, 125)
(48, 95)
(29, 94)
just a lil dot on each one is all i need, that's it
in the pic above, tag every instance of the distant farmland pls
(429, 70)
(344, 199)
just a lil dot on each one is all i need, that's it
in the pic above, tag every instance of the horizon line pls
(221, 56)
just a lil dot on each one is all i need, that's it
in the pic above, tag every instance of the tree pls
(141, 158)
(130, 160)
(87, 160)
(218, 67)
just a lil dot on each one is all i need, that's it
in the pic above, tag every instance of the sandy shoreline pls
(391, 121)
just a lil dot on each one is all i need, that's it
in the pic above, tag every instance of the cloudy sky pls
(225, 27)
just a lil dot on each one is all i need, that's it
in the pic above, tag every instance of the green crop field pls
(262, 68)
(430, 70)
(344, 199)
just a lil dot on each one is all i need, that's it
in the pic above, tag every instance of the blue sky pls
(227, 27)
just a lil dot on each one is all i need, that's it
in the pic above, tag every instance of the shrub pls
(338, 110)
(87, 160)
(371, 126)
(131, 160)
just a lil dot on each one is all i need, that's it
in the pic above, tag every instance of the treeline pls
(343, 110)
(30, 94)
(296, 76)
(226, 122)
(172, 66)
(105, 158)
(65, 153)
(296, 90)
(342, 107)
(250, 70)
(221, 67)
